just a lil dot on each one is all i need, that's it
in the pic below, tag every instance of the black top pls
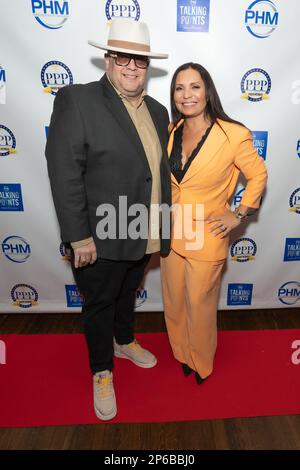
(176, 155)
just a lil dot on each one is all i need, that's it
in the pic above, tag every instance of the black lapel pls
(114, 103)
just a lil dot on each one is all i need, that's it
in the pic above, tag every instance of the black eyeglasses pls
(123, 60)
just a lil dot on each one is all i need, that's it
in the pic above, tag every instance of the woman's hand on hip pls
(222, 224)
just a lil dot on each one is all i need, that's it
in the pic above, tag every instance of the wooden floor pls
(278, 432)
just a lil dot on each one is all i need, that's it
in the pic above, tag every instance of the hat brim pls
(151, 55)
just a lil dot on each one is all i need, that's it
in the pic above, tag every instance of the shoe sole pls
(105, 417)
(139, 364)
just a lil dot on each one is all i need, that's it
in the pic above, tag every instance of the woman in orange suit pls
(207, 150)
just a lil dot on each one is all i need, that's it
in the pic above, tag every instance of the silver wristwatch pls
(238, 215)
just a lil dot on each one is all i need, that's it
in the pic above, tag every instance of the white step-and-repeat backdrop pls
(251, 49)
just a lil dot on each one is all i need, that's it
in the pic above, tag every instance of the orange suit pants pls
(191, 290)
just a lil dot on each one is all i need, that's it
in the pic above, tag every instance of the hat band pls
(135, 46)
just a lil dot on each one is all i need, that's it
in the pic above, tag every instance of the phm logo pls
(11, 197)
(24, 296)
(2, 86)
(141, 297)
(289, 293)
(65, 252)
(295, 201)
(74, 297)
(122, 9)
(298, 148)
(7, 142)
(256, 85)
(261, 18)
(243, 250)
(55, 75)
(51, 14)
(260, 142)
(16, 249)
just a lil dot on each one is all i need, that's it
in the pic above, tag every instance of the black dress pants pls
(109, 289)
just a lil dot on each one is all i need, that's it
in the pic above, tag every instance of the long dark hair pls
(214, 108)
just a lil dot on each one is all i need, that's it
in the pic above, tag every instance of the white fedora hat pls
(129, 36)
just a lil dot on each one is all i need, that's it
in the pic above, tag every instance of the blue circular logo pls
(124, 9)
(289, 293)
(55, 75)
(243, 250)
(24, 296)
(261, 18)
(295, 201)
(256, 85)
(65, 252)
(7, 141)
(16, 249)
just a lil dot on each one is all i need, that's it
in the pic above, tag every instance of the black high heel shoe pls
(186, 369)
(199, 379)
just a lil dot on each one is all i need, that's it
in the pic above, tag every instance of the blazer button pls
(148, 179)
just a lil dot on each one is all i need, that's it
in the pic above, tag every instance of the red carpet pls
(46, 381)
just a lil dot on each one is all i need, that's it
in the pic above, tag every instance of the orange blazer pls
(211, 180)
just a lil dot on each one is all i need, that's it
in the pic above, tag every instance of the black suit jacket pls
(95, 155)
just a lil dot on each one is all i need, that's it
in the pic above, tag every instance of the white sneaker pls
(104, 395)
(135, 353)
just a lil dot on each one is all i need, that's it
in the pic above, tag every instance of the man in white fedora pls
(107, 140)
